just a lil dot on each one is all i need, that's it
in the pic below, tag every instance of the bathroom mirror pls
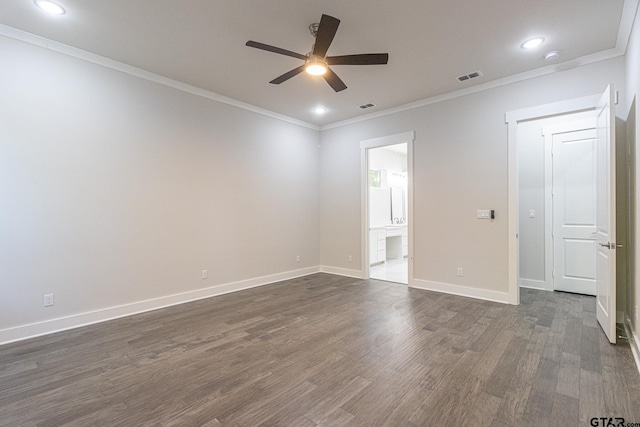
(398, 211)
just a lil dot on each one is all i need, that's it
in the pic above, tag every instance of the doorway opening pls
(388, 219)
(557, 203)
(387, 203)
(605, 197)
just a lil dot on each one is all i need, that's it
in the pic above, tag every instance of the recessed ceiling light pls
(550, 56)
(533, 43)
(319, 110)
(51, 7)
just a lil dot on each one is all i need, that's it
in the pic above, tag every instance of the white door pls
(606, 216)
(574, 207)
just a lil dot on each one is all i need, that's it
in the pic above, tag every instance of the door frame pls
(512, 118)
(365, 146)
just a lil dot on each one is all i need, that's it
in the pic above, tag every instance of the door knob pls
(606, 245)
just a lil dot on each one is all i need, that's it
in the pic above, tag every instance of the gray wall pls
(460, 161)
(116, 190)
(631, 116)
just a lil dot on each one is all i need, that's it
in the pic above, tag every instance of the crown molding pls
(550, 69)
(629, 10)
(626, 25)
(64, 49)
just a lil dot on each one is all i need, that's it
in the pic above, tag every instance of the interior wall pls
(115, 189)
(632, 62)
(460, 160)
(622, 218)
(633, 288)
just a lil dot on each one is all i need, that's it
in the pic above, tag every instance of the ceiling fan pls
(317, 62)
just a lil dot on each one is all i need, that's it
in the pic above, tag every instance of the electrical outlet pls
(297, 258)
(349, 258)
(205, 274)
(460, 272)
(48, 300)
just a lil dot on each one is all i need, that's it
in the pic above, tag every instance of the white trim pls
(624, 33)
(33, 330)
(634, 342)
(540, 285)
(356, 274)
(364, 210)
(548, 211)
(512, 212)
(512, 118)
(554, 109)
(585, 60)
(365, 145)
(463, 291)
(383, 141)
(33, 39)
(410, 210)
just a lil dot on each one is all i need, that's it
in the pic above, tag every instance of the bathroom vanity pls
(389, 241)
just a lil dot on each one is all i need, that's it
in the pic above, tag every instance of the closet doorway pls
(557, 203)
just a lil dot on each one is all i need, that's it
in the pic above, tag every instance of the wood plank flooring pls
(325, 350)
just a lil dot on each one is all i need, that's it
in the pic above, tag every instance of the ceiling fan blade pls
(362, 59)
(334, 81)
(326, 31)
(274, 49)
(286, 76)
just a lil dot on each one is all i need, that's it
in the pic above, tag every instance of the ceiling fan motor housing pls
(313, 29)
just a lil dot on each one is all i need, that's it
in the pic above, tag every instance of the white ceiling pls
(430, 43)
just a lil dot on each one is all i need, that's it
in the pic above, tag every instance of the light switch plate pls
(483, 214)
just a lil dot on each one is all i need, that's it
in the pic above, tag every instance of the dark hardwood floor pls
(331, 351)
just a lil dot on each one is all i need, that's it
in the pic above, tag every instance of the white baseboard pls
(341, 271)
(634, 342)
(540, 285)
(463, 291)
(32, 330)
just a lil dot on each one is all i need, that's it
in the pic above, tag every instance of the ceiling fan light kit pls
(315, 66)
(317, 62)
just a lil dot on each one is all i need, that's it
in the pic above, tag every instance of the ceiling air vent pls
(470, 76)
(365, 106)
